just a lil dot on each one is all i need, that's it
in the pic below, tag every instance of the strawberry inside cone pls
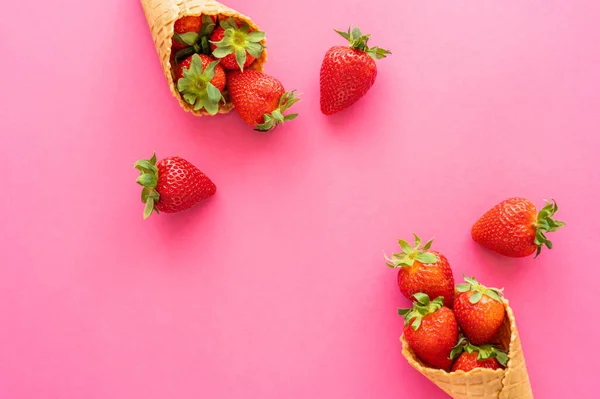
(200, 82)
(235, 45)
(191, 36)
(469, 356)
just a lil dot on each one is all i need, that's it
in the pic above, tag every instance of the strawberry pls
(514, 228)
(479, 311)
(423, 270)
(431, 331)
(200, 81)
(471, 357)
(188, 32)
(235, 45)
(260, 99)
(347, 73)
(172, 185)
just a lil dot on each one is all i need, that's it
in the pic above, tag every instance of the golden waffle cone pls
(161, 16)
(510, 383)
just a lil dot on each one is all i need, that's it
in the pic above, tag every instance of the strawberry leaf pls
(546, 224)
(149, 179)
(238, 40)
(359, 42)
(196, 88)
(276, 116)
(476, 297)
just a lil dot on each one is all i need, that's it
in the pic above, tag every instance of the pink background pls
(276, 287)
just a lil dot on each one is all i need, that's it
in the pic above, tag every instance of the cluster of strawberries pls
(211, 62)
(455, 327)
(434, 324)
(209, 57)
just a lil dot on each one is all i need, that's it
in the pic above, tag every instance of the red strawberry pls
(471, 357)
(479, 311)
(260, 99)
(172, 185)
(189, 29)
(185, 25)
(347, 73)
(422, 270)
(514, 228)
(200, 81)
(431, 331)
(235, 45)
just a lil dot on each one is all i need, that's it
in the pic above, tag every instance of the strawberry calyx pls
(276, 116)
(484, 352)
(410, 254)
(471, 284)
(195, 42)
(238, 40)
(422, 307)
(545, 224)
(359, 42)
(196, 88)
(148, 178)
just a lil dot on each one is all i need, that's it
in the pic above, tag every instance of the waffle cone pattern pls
(161, 16)
(510, 383)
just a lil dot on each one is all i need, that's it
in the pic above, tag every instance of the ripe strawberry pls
(431, 331)
(513, 227)
(235, 45)
(347, 73)
(479, 311)
(200, 81)
(189, 29)
(471, 357)
(260, 99)
(172, 185)
(422, 270)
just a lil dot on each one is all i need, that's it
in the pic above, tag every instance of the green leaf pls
(463, 287)
(147, 180)
(290, 117)
(422, 298)
(144, 164)
(476, 297)
(189, 98)
(493, 294)
(427, 245)
(502, 357)
(343, 34)
(427, 258)
(405, 246)
(221, 52)
(417, 323)
(254, 49)
(240, 58)
(417, 241)
(277, 115)
(214, 95)
(149, 208)
(255, 37)
(189, 38)
(403, 312)
(211, 107)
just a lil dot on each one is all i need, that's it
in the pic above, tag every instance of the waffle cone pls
(510, 383)
(161, 16)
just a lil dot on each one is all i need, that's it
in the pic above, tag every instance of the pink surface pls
(276, 287)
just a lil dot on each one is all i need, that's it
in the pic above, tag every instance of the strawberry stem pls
(410, 254)
(422, 307)
(196, 88)
(471, 284)
(239, 40)
(359, 42)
